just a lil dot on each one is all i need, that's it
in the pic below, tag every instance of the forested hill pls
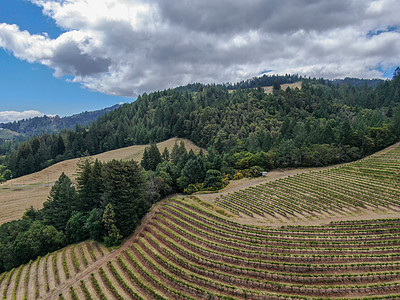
(318, 124)
(40, 125)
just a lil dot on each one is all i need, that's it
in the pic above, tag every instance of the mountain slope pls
(40, 125)
(19, 194)
(192, 248)
(316, 125)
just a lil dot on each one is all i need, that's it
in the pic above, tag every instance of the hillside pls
(32, 190)
(40, 125)
(6, 134)
(317, 125)
(218, 247)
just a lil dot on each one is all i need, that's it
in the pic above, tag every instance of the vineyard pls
(368, 185)
(187, 248)
(36, 279)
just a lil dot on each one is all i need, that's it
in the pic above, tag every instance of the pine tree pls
(151, 157)
(61, 202)
(165, 154)
(145, 162)
(113, 236)
(124, 188)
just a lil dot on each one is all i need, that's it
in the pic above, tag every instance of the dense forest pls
(319, 124)
(245, 131)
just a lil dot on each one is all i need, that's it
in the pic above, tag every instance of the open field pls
(269, 89)
(284, 86)
(195, 248)
(32, 190)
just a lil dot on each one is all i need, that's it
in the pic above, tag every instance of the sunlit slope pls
(19, 194)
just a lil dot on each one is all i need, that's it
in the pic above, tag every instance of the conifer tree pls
(61, 202)
(125, 188)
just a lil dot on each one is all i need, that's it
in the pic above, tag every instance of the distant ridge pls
(50, 124)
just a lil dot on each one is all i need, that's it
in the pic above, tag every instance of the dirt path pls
(106, 258)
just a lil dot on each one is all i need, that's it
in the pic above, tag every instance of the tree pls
(61, 202)
(90, 184)
(194, 171)
(75, 229)
(124, 188)
(94, 224)
(165, 154)
(213, 179)
(396, 73)
(276, 87)
(151, 157)
(113, 236)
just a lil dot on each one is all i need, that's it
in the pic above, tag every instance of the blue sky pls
(32, 86)
(127, 47)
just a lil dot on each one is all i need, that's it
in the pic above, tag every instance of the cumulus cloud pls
(126, 47)
(11, 116)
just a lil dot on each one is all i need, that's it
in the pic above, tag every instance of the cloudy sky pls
(118, 49)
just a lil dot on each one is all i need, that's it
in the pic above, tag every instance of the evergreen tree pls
(113, 236)
(61, 202)
(90, 184)
(165, 154)
(151, 157)
(124, 188)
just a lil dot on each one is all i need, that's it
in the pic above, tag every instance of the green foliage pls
(61, 203)
(23, 240)
(151, 157)
(125, 189)
(321, 113)
(213, 179)
(76, 230)
(94, 224)
(90, 184)
(113, 236)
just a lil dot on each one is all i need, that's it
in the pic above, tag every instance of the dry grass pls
(32, 190)
(284, 86)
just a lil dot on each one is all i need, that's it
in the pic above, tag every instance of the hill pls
(218, 247)
(6, 134)
(40, 125)
(316, 125)
(19, 194)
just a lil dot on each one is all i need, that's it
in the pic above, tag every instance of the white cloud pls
(11, 116)
(126, 47)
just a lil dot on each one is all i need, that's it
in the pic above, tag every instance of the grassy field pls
(32, 190)
(216, 246)
(269, 89)
(284, 86)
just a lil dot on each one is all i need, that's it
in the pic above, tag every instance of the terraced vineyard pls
(193, 249)
(368, 185)
(38, 278)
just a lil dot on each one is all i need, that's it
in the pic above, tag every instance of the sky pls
(67, 56)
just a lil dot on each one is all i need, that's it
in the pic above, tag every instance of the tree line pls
(319, 124)
(106, 203)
